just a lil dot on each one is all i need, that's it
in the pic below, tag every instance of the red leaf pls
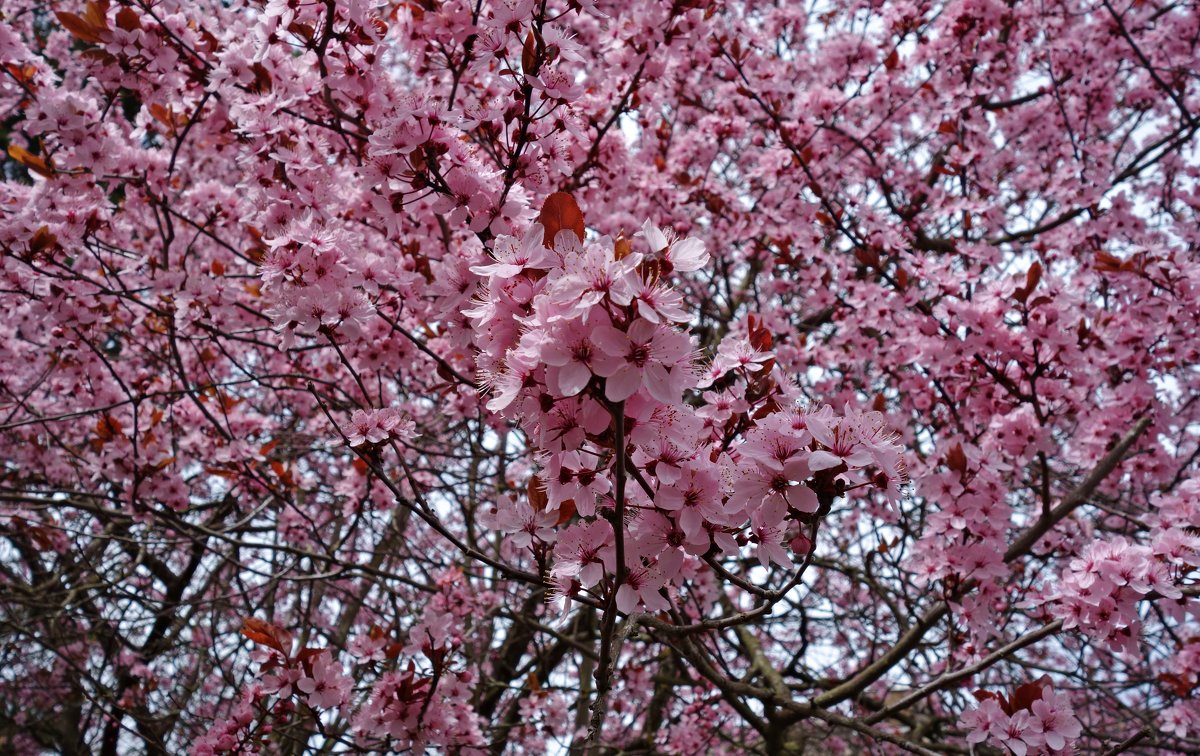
(1178, 683)
(266, 634)
(536, 490)
(760, 337)
(306, 655)
(566, 511)
(107, 428)
(983, 695)
(29, 160)
(42, 240)
(529, 54)
(1032, 277)
(96, 14)
(956, 459)
(560, 212)
(79, 28)
(1023, 697)
(128, 20)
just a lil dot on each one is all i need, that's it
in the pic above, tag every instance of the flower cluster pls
(1100, 590)
(232, 733)
(416, 712)
(376, 426)
(581, 343)
(1034, 720)
(427, 703)
(311, 284)
(311, 673)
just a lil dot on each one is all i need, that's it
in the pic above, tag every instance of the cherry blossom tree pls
(583, 376)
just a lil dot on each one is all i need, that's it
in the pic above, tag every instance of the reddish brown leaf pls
(42, 240)
(23, 74)
(33, 162)
(566, 511)
(1177, 683)
(983, 695)
(1023, 697)
(266, 634)
(307, 654)
(222, 473)
(262, 79)
(107, 428)
(529, 54)
(1032, 277)
(956, 459)
(1107, 262)
(164, 115)
(760, 336)
(536, 491)
(80, 28)
(96, 14)
(128, 19)
(560, 212)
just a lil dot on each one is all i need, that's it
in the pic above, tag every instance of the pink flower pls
(590, 275)
(584, 551)
(1017, 734)
(525, 524)
(664, 459)
(567, 425)
(577, 358)
(328, 686)
(734, 353)
(655, 357)
(659, 535)
(842, 443)
(987, 721)
(760, 485)
(685, 255)
(1054, 719)
(569, 477)
(641, 586)
(658, 303)
(513, 259)
(281, 681)
(1180, 718)
(694, 498)
(376, 426)
(719, 407)
(767, 533)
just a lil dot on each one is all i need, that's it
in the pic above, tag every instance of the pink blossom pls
(513, 257)
(376, 426)
(655, 358)
(1053, 718)
(685, 255)
(641, 586)
(986, 721)
(328, 686)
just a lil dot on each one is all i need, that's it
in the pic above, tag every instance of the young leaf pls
(560, 212)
